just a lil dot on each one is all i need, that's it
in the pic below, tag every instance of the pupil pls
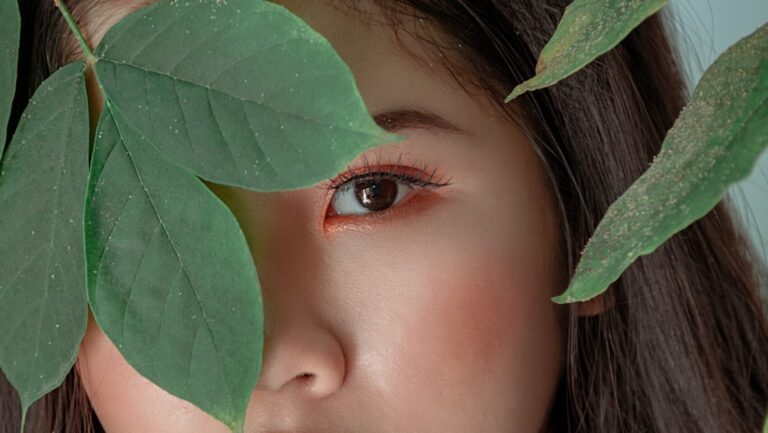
(376, 195)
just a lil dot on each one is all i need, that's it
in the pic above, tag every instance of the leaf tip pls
(524, 87)
(564, 299)
(517, 91)
(237, 426)
(572, 294)
(390, 137)
(581, 289)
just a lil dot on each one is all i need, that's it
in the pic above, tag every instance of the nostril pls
(313, 362)
(306, 379)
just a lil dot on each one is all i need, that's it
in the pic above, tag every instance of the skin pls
(434, 316)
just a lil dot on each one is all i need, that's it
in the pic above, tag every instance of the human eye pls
(376, 190)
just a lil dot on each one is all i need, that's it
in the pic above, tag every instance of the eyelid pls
(420, 174)
(410, 176)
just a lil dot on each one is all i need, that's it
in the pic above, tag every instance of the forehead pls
(393, 58)
(368, 37)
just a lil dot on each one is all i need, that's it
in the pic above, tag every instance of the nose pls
(303, 353)
(308, 359)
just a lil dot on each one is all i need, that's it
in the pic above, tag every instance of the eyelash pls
(399, 172)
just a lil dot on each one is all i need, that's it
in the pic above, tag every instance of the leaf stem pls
(90, 58)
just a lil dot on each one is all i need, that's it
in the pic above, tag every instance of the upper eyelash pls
(398, 177)
(403, 174)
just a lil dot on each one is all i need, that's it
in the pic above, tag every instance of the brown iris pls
(376, 194)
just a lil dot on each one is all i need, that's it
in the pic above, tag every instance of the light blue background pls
(706, 28)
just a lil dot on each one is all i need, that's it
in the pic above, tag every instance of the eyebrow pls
(397, 120)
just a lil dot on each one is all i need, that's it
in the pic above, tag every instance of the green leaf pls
(9, 53)
(765, 429)
(42, 266)
(716, 141)
(240, 92)
(170, 277)
(588, 29)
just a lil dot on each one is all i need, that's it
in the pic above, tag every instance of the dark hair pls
(685, 346)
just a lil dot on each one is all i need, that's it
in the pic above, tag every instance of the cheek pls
(481, 339)
(465, 311)
(126, 402)
(482, 289)
(482, 320)
(469, 315)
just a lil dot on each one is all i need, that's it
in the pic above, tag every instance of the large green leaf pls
(9, 53)
(170, 277)
(715, 142)
(588, 29)
(42, 268)
(240, 92)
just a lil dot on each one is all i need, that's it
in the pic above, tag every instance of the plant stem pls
(90, 58)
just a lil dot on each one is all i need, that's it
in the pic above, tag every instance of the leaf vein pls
(175, 249)
(133, 280)
(247, 101)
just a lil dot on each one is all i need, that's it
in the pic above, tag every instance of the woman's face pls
(388, 309)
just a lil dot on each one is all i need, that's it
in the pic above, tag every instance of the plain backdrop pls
(706, 28)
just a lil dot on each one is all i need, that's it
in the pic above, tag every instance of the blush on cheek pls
(481, 317)
(487, 333)
(473, 315)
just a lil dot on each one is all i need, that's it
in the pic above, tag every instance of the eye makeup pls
(419, 178)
